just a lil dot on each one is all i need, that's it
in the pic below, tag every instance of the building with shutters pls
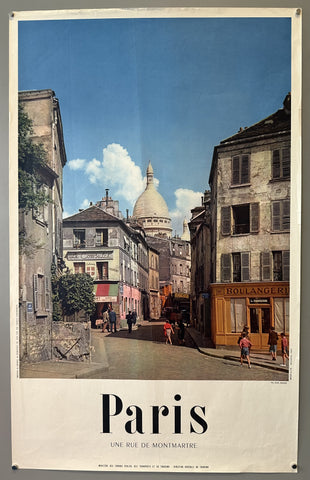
(42, 230)
(250, 231)
(98, 241)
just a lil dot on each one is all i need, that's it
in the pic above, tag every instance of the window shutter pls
(276, 164)
(276, 216)
(235, 171)
(225, 267)
(226, 220)
(47, 294)
(254, 217)
(286, 162)
(265, 266)
(286, 214)
(245, 169)
(286, 265)
(35, 292)
(245, 266)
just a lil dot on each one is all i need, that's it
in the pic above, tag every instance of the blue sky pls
(161, 90)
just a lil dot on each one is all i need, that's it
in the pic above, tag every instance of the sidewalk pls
(262, 359)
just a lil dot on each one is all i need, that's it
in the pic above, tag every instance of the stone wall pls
(71, 341)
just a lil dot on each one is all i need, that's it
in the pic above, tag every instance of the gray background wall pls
(6, 472)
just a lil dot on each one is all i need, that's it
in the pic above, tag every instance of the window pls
(91, 270)
(281, 314)
(244, 219)
(280, 215)
(102, 237)
(281, 265)
(79, 267)
(41, 214)
(41, 293)
(275, 266)
(281, 159)
(237, 314)
(240, 170)
(102, 270)
(79, 238)
(236, 265)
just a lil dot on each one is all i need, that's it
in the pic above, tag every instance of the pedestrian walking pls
(181, 332)
(129, 321)
(112, 319)
(105, 324)
(272, 342)
(284, 346)
(134, 317)
(245, 345)
(168, 330)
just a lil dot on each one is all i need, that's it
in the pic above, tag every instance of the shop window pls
(102, 270)
(79, 238)
(102, 237)
(281, 314)
(79, 267)
(281, 164)
(280, 215)
(237, 314)
(281, 265)
(240, 219)
(240, 170)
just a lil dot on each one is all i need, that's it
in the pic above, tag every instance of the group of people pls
(131, 318)
(109, 320)
(245, 345)
(168, 331)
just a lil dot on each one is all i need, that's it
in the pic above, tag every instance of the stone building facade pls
(201, 266)
(155, 305)
(114, 255)
(42, 229)
(250, 225)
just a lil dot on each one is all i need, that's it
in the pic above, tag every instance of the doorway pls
(260, 322)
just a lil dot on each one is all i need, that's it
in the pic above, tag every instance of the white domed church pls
(151, 209)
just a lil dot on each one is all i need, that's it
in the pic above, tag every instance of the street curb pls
(234, 359)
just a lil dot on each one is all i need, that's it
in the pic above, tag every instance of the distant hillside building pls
(152, 213)
(250, 224)
(43, 229)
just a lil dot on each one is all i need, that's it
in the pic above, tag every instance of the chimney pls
(106, 196)
(127, 214)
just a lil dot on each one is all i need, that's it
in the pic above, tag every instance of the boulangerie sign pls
(155, 179)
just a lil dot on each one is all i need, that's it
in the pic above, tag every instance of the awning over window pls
(106, 292)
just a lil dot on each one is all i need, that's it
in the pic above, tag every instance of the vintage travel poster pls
(155, 202)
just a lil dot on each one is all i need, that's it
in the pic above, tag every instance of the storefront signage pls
(181, 295)
(105, 299)
(267, 290)
(90, 256)
(259, 300)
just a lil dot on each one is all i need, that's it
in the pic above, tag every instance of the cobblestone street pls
(143, 354)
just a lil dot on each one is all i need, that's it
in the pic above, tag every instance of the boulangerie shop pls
(258, 305)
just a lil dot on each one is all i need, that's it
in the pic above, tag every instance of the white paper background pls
(252, 425)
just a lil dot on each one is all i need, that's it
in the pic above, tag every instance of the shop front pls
(260, 306)
(106, 294)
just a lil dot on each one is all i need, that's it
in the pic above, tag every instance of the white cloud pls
(116, 170)
(85, 203)
(77, 164)
(185, 200)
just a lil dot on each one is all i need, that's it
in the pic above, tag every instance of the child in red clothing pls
(245, 346)
(284, 345)
(168, 330)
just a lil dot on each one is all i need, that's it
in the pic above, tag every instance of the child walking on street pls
(245, 346)
(284, 345)
(168, 330)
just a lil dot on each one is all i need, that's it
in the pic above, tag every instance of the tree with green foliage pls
(76, 293)
(31, 160)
